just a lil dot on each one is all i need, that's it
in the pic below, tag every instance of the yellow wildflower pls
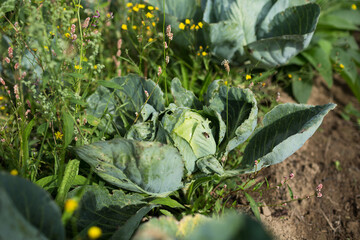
(59, 135)
(149, 15)
(156, 8)
(71, 205)
(51, 33)
(198, 54)
(141, 5)
(260, 74)
(204, 53)
(182, 26)
(353, 7)
(34, 49)
(192, 27)
(129, 5)
(341, 66)
(150, 40)
(1, 98)
(134, 27)
(64, 9)
(143, 23)
(46, 48)
(67, 35)
(200, 24)
(14, 172)
(150, 8)
(248, 77)
(94, 232)
(187, 21)
(226, 83)
(148, 27)
(263, 84)
(135, 8)
(124, 27)
(78, 67)
(289, 75)
(57, 27)
(95, 67)
(154, 24)
(197, 27)
(201, 47)
(2, 108)
(79, 6)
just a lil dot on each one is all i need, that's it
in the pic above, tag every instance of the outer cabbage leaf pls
(183, 97)
(27, 211)
(118, 104)
(285, 129)
(118, 214)
(238, 110)
(148, 167)
(268, 32)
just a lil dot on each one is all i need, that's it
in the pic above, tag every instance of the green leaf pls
(290, 192)
(148, 167)
(68, 127)
(183, 97)
(253, 205)
(285, 129)
(109, 84)
(50, 182)
(25, 138)
(7, 6)
(167, 202)
(117, 214)
(27, 211)
(209, 165)
(181, 9)
(302, 83)
(238, 110)
(321, 62)
(71, 171)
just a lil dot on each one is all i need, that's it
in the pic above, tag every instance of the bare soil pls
(336, 214)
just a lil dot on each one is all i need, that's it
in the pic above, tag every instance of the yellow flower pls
(263, 84)
(46, 48)
(148, 27)
(341, 66)
(95, 67)
(156, 8)
(94, 232)
(226, 83)
(150, 8)
(150, 40)
(59, 135)
(248, 77)
(289, 75)
(51, 33)
(141, 5)
(1, 98)
(134, 27)
(14, 172)
(154, 24)
(182, 26)
(197, 27)
(201, 47)
(192, 27)
(204, 53)
(135, 8)
(79, 6)
(129, 5)
(187, 21)
(143, 23)
(198, 54)
(149, 15)
(64, 9)
(78, 67)
(2, 108)
(57, 27)
(34, 49)
(67, 35)
(260, 74)
(200, 24)
(71, 205)
(124, 27)
(353, 7)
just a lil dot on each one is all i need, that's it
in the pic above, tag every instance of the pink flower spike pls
(319, 194)
(292, 175)
(7, 60)
(159, 71)
(319, 187)
(2, 81)
(256, 162)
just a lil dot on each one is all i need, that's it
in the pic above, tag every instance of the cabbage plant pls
(158, 149)
(267, 32)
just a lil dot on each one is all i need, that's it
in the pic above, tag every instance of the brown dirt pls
(336, 214)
